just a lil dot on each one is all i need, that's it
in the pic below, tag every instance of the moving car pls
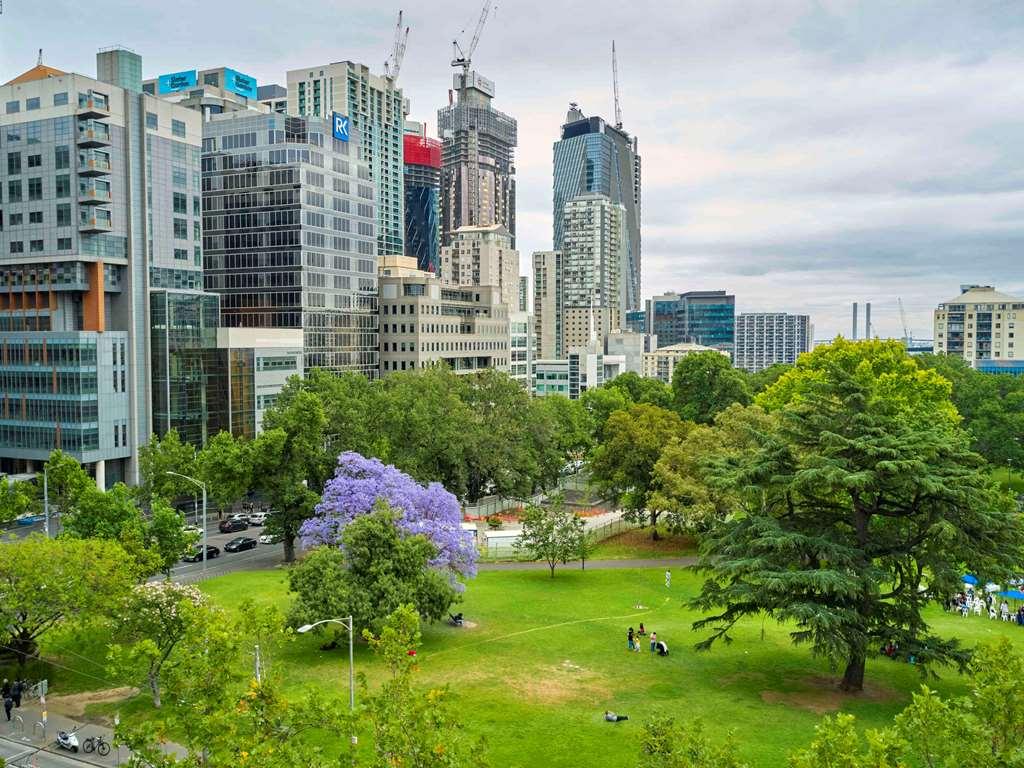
(196, 555)
(257, 518)
(270, 538)
(240, 544)
(232, 525)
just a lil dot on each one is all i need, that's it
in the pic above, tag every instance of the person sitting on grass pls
(642, 631)
(611, 717)
(662, 648)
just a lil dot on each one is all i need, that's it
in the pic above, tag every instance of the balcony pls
(93, 134)
(92, 105)
(93, 164)
(94, 221)
(91, 193)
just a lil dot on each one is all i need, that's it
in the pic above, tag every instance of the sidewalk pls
(538, 565)
(30, 734)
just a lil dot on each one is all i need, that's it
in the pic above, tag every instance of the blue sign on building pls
(238, 83)
(176, 81)
(340, 123)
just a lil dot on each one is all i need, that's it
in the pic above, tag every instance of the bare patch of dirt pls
(74, 704)
(468, 624)
(821, 695)
(558, 684)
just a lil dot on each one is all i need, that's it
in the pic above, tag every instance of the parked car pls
(232, 525)
(257, 518)
(193, 530)
(270, 538)
(196, 555)
(240, 544)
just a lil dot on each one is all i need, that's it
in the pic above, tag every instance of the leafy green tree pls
(18, 498)
(623, 465)
(381, 569)
(166, 536)
(668, 744)
(45, 583)
(159, 624)
(705, 384)
(225, 465)
(858, 503)
(156, 459)
(600, 404)
(760, 381)
(551, 533)
(642, 390)
(66, 481)
(113, 515)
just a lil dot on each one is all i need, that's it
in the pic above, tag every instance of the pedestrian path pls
(541, 565)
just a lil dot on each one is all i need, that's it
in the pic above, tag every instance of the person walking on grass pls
(654, 641)
(630, 642)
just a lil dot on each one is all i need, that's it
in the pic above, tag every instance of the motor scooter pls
(67, 740)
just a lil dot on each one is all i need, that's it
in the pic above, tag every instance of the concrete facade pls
(661, 363)
(764, 339)
(480, 256)
(979, 324)
(547, 304)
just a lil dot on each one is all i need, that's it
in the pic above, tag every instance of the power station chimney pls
(867, 320)
(855, 321)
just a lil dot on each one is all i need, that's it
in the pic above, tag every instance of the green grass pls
(547, 657)
(1013, 480)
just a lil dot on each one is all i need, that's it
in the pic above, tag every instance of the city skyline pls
(808, 157)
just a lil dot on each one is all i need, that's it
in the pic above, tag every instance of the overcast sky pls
(803, 155)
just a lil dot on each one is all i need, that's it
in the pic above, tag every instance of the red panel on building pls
(420, 150)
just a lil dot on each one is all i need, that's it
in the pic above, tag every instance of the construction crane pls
(462, 58)
(903, 319)
(615, 85)
(394, 63)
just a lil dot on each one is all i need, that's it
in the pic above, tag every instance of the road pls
(13, 751)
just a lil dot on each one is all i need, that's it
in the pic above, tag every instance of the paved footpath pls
(25, 745)
(540, 565)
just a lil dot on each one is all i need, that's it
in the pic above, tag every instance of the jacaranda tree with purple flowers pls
(430, 510)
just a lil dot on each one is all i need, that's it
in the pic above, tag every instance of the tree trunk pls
(654, 526)
(24, 648)
(289, 548)
(853, 677)
(154, 687)
(552, 567)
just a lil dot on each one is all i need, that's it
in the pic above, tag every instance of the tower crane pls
(394, 63)
(903, 319)
(615, 86)
(462, 58)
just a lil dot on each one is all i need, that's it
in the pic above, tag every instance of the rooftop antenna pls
(393, 65)
(39, 61)
(462, 58)
(615, 85)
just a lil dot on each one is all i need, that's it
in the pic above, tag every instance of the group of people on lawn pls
(633, 641)
(967, 602)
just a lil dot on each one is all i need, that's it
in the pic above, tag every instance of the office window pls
(60, 99)
(179, 177)
(63, 243)
(14, 191)
(64, 214)
(197, 206)
(13, 163)
(34, 132)
(17, 246)
(61, 157)
(180, 229)
(36, 246)
(178, 128)
(17, 219)
(181, 254)
(32, 103)
(151, 121)
(35, 189)
(13, 106)
(35, 217)
(35, 161)
(63, 186)
(180, 202)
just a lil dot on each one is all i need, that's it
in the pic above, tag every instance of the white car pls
(270, 538)
(257, 518)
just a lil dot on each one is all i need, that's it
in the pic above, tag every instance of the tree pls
(642, 390)
(760, 381)
(159, 624)
(382, 569)
(551, 533)
(113, 515)
(66, 481)
(668, 744)
(857, 504)
(411, 728)
(623, 465)
(357, 487)
(704, 384)
(46, 582)
(17, 498)
(225, 466)
(600, 404)
(156, 459)
(166, 536)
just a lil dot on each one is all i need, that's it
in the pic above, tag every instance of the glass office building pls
(423, 200)
(289, 236)
(695, 317)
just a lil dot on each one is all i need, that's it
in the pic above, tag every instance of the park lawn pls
(638, 544)
(547, 657)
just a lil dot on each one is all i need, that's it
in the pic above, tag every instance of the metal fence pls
(494, 505)
(503, 549)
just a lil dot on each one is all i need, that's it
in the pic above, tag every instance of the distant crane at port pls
(463, 58)
(394, 63)
(903, 319)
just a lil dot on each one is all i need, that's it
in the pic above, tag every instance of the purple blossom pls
(430, 510)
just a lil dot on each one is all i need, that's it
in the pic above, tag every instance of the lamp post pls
(46, 502)
(202, 485)
(347, 624)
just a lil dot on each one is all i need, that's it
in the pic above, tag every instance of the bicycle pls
(101, 745)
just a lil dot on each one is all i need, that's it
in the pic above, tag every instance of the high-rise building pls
(593, 241)
(274, 97)
(288, 231)
(594, 157)
(376, 110)
(630, 346)
(478, 186)
(520, 346)
(766, 338)
(524, 293)
(694, 317)
(423, 322)
(483, 256)
(422, 197)
(979, 324)
(636, 320)
(210, 91)
(547, 304)
(100, 220)
(661, 363)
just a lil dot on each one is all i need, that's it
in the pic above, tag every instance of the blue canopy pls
(1013, 594)
(969, 579)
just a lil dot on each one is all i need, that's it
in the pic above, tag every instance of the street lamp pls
(347, 624)
(203, 486)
